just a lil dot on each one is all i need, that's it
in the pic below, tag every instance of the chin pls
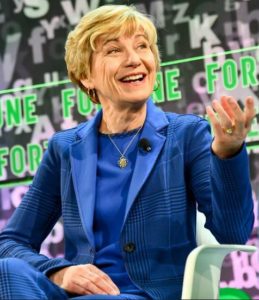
(135, 96)
(138, 100)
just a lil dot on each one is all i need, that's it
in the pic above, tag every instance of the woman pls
(126, 183)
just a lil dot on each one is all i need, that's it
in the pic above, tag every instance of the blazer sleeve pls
(36, 215)
(221, 187)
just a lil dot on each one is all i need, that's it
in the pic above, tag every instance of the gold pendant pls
(122, 162)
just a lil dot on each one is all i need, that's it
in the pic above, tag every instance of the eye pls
(113, 50)
(143, 45)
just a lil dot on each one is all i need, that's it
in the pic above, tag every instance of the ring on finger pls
(229, 130)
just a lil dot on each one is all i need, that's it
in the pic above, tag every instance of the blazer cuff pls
(234, 171)
(53, 265)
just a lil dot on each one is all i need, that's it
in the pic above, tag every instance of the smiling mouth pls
(133, 78)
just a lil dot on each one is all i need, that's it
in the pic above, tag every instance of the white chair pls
(203, 265)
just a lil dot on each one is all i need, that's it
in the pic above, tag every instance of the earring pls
(92, 94)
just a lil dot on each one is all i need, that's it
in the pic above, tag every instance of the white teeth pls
(133, 77)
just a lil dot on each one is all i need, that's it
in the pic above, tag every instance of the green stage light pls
(233, 294)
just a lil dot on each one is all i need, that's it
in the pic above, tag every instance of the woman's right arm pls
(33, 220)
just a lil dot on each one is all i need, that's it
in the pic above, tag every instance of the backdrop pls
(208, 48)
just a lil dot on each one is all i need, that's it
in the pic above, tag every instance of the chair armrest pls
(202, 270)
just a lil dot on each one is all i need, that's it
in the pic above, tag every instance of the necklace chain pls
(122, 162)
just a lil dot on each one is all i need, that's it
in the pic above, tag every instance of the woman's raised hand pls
(230, 124)
(84, 280)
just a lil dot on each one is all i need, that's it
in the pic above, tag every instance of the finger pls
(223, 117)
(102, 275)
(77, 288)
(74, 287)
(214, 121)
(100, 284)
(90, 287)
(249, 112)
(102, 280)
(226, 106)
(239, 116)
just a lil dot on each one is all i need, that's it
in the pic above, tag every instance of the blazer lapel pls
(155, 121)
(83, 155)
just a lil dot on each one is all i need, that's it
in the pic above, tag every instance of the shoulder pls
(61, 140)
(191, 134)
(185, 123)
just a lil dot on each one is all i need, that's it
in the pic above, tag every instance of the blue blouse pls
(112, 186)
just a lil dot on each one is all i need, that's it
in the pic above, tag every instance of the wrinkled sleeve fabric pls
(221, 187)
(36, 215)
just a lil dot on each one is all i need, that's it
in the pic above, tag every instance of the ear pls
(87, 83)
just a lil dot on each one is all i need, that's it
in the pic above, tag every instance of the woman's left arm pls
(230, 125)
(219, 178)
(231, 190)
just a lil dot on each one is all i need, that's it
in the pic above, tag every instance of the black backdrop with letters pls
(192, 34)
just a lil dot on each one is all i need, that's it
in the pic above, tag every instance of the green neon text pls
(168, 82)
(16, 111)
(21, 159)
(71, 97)
(230, 74)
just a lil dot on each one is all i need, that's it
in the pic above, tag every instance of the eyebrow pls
(117, 40)
(110, 40)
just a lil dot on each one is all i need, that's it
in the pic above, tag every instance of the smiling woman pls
(82, 41)
(122, 59)
(123, 72)
(128, 181)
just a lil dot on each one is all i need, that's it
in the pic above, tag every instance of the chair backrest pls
(203, 235)
(203, 265)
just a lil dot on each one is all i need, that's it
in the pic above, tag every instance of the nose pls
(132, 58)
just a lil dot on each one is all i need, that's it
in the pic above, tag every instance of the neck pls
(117, 120)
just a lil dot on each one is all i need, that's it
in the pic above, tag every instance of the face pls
(123, 70)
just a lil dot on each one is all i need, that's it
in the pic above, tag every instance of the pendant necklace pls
(123, 162)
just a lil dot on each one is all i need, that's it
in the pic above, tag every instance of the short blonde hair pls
(105, 21)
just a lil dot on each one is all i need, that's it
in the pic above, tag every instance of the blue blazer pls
(167, 184)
